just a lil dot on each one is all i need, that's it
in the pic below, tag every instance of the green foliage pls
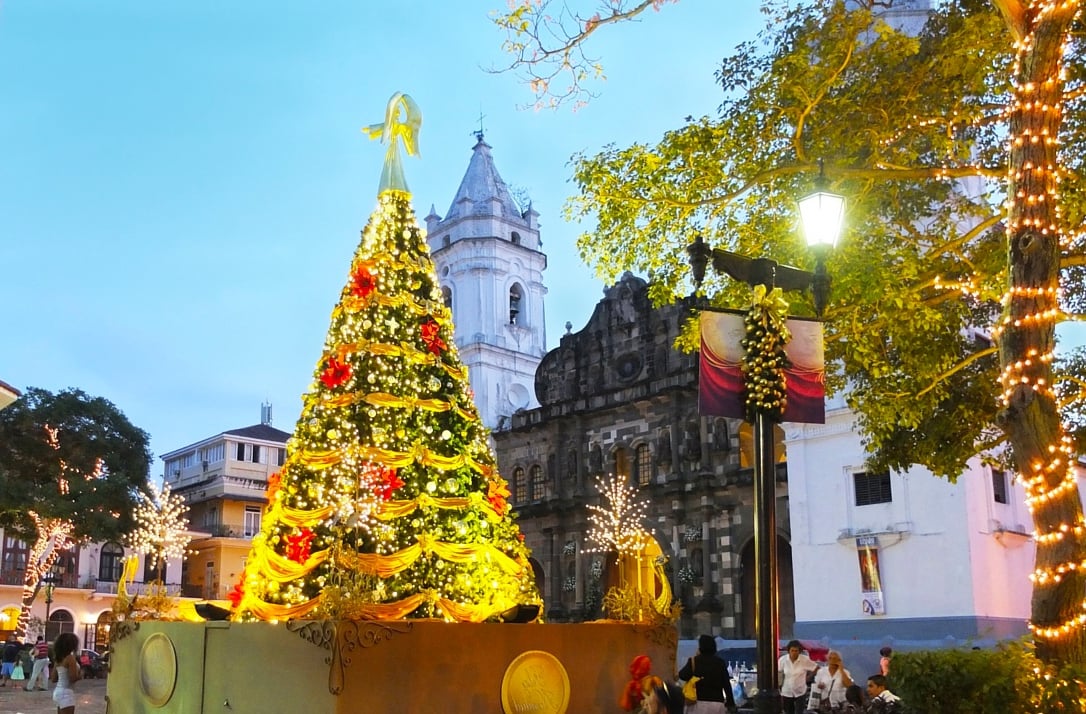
(1006, 680)
(912, 130)
(32, 471)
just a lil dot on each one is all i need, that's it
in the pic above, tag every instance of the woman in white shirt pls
(793, 669)
(832, 680)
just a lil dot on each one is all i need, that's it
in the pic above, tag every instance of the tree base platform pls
(351, 667)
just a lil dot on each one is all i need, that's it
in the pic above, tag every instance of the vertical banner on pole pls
(867, 548)
(721, 375)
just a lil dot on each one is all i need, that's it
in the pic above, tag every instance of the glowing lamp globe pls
(821, 214)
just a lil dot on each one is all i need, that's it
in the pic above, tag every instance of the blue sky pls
(182, 184)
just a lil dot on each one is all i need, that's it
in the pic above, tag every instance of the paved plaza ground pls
(90, 693)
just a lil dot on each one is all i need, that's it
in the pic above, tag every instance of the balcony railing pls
(226, 530)
(17, 577)
(108, 587)
(86, 582)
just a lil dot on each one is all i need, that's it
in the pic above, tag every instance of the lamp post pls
(821, 214)
(50, 580)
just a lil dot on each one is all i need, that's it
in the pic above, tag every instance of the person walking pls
(830, 684)
(8, 659)
(793, 669)
(714, 685)
(66, 672)
(40, 671)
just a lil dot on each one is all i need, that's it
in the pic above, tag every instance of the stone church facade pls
(617, 398)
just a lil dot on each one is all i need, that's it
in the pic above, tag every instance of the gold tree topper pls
(402, 123)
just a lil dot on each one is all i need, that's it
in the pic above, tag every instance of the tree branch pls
(538, 40)
(958, 367)
(1014, 14)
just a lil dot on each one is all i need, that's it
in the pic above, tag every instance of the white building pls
(950, 559)
(487, 254)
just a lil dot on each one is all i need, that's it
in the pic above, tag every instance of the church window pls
(515, 238)
(446, 296)
(644, 465)
(538, 486)
(622, 463)
(446, 241)
(515, 295)
(595, 460)
(520, 485)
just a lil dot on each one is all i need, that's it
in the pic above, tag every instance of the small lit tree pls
(616, 525)
(161, 530)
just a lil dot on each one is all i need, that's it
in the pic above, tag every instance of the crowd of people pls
(31, 666)
(804, 685)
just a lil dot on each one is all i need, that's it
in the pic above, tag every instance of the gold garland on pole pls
(764, 359)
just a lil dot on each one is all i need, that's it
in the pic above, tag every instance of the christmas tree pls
(389, 504)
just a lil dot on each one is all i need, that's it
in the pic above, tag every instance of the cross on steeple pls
(479, 132)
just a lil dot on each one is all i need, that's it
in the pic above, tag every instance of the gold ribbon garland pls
(764, 359)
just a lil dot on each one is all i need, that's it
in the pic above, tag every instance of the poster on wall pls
(721, 376)
(867, 548)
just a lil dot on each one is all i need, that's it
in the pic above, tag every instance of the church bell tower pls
(487, 253)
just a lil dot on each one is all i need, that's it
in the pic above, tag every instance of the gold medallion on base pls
(535, 683)
(158, 669)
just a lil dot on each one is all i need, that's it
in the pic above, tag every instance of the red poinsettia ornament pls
(298, 545)
(389, 482)
(363, 282)
(335, 373)
(497, 493)
(430, 337)
(237, 592)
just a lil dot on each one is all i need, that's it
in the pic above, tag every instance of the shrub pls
(1006, 680)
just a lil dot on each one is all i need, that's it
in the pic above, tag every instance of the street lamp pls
(50, 580)
(821, 214)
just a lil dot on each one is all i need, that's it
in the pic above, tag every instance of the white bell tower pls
(487, 253)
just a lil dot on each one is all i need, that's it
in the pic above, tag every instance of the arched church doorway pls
(786, 613)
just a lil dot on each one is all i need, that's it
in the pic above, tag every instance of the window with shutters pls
(872, 488)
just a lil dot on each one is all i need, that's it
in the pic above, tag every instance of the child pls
(884, 660)
(65, 672)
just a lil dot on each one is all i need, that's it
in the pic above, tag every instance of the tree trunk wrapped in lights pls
(389, 504)
(1026, 334)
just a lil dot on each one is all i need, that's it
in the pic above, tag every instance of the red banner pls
(721, 377)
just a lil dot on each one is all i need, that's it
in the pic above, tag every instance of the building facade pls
(489, 262)
(617, 399)
(872, 556)
(224, 479)
(78, 595)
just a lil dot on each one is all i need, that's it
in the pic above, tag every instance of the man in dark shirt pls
(8, 659)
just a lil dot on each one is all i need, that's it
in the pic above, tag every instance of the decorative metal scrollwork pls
(341, 638)
(122, 629)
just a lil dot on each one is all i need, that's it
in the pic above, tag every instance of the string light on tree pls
(161, 527)
(615, 526)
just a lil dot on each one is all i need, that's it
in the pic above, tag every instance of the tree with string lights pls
(161, 527)
(389, 504)
(70, 468)
(957, 144)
